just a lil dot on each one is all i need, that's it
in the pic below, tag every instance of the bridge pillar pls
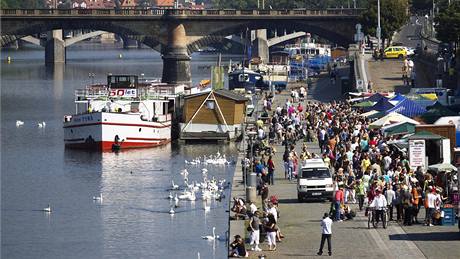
(176, 61)
(54, 48)
(261, 45)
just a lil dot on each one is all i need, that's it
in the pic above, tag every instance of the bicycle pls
(371, 218)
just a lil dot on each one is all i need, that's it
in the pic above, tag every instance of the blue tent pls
(376, 97)
(382, 105)
(398, 97)
(408, 108)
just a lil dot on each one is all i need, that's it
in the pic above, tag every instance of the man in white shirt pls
(326, 231)
(379, 203)
(431, 200)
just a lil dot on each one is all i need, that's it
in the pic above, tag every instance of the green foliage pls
(288, 4)
(22, 4)
(448, 24)
(393, 16)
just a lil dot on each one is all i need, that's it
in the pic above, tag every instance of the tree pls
(393, 15)
(448, 24)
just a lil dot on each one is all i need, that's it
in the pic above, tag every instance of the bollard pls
(251, 194)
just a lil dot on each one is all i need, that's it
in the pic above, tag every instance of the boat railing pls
(90, 94)
(150, 93)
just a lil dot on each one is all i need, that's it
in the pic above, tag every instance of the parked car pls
(395, 52)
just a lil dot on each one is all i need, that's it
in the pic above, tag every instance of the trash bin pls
(449, 216)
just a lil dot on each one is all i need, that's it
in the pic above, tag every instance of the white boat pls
(124, 113)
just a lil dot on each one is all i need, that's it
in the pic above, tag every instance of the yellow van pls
(395, 52)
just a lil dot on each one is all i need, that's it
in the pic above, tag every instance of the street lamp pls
(379, 29)
(91, 75)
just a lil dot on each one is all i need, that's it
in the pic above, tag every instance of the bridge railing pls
(176, 12)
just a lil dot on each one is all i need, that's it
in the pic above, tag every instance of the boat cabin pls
(131, 95)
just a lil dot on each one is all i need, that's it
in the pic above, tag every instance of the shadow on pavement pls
(429, 236)
(393, 78)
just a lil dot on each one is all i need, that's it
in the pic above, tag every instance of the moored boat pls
(124, 113)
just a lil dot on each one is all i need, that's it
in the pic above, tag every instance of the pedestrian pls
(271, 229)
(264, 196)
(391, 196)
(238, 249)
(326, 233)
(360, 193)
(339, 200)
(271, 171)
(254, 224)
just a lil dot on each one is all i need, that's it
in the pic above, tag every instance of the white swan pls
(174, 186)
(19, 123)
(192, 197)
(41, 124)
(98, 198)
(176, 199)
(213, 237)
(171, 211)
(184, 173)
(47, 209)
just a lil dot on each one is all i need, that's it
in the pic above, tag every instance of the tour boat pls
(127, 112)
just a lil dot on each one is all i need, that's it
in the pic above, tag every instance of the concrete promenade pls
(299, 222)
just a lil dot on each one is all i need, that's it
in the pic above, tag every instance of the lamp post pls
(379, 30)
(250, 189)
(91, 75)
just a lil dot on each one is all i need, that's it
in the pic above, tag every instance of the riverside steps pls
(300, 222)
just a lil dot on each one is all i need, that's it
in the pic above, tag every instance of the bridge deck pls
(178, 12)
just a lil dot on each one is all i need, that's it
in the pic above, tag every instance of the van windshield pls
(315, 173)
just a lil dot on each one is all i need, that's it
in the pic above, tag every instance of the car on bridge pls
(395, 52)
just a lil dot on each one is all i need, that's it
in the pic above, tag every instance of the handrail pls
(178, 12)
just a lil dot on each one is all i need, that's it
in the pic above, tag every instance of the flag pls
(217, 77)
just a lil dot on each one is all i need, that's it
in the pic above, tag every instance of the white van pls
(314, 180)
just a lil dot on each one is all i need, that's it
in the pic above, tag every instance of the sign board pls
(123, 93)
(360, 85)
(417, 153)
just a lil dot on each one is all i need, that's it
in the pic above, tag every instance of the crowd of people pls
(367, 169)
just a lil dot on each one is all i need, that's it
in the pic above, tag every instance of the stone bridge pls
(177, 32)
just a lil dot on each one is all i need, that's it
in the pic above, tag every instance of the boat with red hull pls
(124, 113)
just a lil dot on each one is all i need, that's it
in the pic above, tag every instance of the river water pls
(36, 170)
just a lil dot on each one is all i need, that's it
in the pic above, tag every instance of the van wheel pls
(400, 56)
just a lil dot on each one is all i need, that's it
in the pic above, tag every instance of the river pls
(132, 221)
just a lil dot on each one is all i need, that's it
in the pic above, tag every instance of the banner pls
(217, 77)
(417, 153)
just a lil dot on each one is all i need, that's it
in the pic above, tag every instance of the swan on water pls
(174, 186)
(41, 124)
(170, 196)
(176, 199)
(47, 209)
(213, 237)
(19, 123)
(171, 211)
(98, 198)
(192, 196)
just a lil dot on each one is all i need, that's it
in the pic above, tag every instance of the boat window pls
(243, 77)
(134, 106)
(210, 104)
(140, 129)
